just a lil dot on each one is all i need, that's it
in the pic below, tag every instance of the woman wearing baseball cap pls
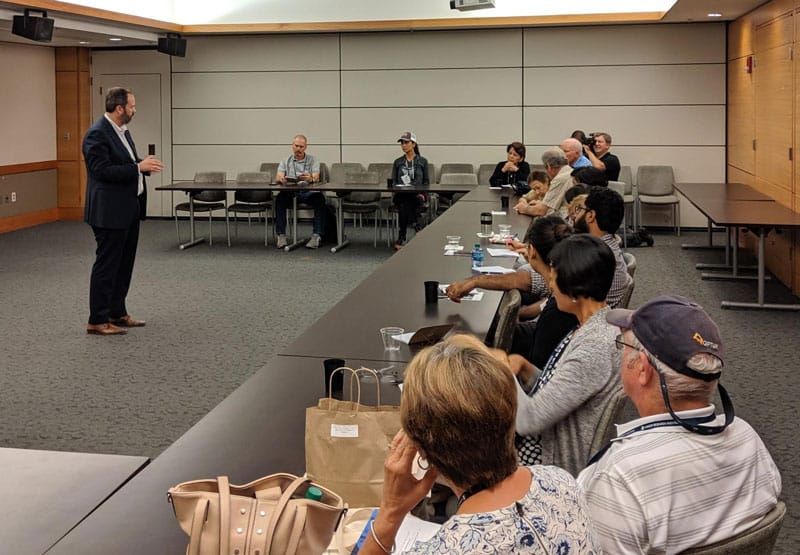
(410, 169)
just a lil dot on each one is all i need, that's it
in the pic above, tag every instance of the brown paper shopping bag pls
(346, 443)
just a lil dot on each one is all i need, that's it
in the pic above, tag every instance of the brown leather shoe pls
(105, 329)
(127, 321)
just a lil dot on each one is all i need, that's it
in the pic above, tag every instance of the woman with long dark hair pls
(411, 169)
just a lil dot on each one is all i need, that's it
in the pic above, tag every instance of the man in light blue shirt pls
(302, 169)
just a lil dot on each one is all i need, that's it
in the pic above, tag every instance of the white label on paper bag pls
(344, 430)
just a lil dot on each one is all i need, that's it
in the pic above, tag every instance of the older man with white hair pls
(573, 149)
(559, 171)
(680, 476)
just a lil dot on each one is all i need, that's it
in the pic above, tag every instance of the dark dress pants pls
(111, 272)
(408, 205)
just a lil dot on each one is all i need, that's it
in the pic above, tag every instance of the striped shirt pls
(665, 489)
(620, 282)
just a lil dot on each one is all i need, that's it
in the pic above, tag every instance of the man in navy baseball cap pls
(680, 476)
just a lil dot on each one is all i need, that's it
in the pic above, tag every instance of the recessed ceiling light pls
(115, 39)
(715, 15)
(84, 42)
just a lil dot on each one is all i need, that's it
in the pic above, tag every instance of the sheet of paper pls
(412, 531)
(499, 213)
(492, 270)
(501, 252)
(404, 337)
(474, 295)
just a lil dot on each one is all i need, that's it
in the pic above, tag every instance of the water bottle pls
(477, 255)
(313, 493)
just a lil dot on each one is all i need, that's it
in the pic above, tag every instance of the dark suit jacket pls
(112, 179)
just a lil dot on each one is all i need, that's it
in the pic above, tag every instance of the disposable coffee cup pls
(504, 202)
(431, 292)
(330, 365)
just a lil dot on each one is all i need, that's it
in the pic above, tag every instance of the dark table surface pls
(47, 493)
(747, 213)
(393, 295)
(258, 430)
(721, 192)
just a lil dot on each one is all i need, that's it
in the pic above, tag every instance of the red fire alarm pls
(748, 64)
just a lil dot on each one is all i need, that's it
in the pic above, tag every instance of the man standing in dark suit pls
(116, 200)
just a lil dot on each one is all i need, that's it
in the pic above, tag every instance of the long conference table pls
(340, 189)
(734, 206)
(259, 428)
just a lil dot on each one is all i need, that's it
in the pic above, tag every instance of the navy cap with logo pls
(673, 329)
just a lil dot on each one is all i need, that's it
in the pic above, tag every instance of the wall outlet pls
(13, 197)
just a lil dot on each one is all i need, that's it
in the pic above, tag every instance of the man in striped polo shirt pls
(680, 476)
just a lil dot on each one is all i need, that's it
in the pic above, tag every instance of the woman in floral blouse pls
(458, 409)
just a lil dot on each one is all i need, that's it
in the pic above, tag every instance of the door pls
(145, 127)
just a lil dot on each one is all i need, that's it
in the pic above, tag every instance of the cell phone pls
(151, 150)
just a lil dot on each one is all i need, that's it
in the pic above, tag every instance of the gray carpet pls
(215, 315)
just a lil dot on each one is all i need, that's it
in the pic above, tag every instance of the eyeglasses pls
(580, 208)
(619, 340)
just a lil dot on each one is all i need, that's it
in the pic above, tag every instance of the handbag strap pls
(297, 529)
(280, 506)
(198, 519)
(224, 489)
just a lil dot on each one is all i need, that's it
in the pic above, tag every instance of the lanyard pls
(652, 426)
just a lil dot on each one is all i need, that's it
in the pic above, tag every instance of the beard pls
(126, 118)
(580, 226)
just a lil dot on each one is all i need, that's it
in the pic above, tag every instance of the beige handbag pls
(270, 516)
(346, 443)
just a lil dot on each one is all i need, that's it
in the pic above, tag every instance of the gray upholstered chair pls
(501, 330)
(383, 169)
(630, 263)
(626, 192)
(485, 171)
(339, 169)
(269, 167)
(627, 293)
(455, 168)
(363, 202)
(756, 540)
(655, 185)
(612, 415)
(206, 201)
(252, 201)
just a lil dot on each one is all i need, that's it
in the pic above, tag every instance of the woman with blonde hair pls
(457, 411)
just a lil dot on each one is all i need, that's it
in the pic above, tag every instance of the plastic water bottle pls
(477, 255)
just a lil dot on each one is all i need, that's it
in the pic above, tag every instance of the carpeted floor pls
(215, 315)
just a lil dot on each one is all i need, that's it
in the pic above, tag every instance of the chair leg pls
(678, 218)
(228, 226)
(210, 237)
(177, 230)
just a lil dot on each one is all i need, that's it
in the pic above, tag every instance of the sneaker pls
(313, 243)
(281, 242)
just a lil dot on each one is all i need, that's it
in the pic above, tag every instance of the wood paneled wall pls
(763, 131)
(73, 118)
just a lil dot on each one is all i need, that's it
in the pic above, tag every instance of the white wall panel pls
(454, 126)
(281, 89)
(256, 126)
(444, 87)
(432, 49)
(259, 53)
(629, 125)
(620, 85)
(624, 44)
(233, 159)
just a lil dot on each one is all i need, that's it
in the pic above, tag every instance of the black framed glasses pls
(620, 342)
(580, 208)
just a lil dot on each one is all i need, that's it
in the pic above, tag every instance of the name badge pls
(405, 179)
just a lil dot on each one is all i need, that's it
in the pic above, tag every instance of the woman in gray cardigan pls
(560, 406)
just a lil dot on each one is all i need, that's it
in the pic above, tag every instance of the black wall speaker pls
(172, 45)
(33, 27)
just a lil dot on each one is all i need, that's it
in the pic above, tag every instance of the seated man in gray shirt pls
(303, 169)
